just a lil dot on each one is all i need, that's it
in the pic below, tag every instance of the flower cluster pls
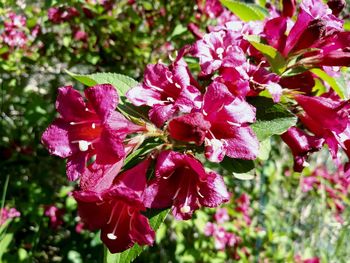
(335, 185)
(193, 120)
(225, 232)
(16, 34)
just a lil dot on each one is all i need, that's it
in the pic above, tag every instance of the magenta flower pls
(222, 238)
(289, 7)
(55, 215)
(262, 79)
(213, 8)
(167, 90)
(301, 145)
(14, 21)
(219, 49)
(8, 213)
(117, 210)
(58, 15)
(81, 36)
(314, 22)
(222, 124)
(326, 118)
(243, 206)
(88, 129)
(236, 80)
(182, 183)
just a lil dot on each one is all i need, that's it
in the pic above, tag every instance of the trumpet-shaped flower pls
(89, 129)
(117, 210)
(182, 183)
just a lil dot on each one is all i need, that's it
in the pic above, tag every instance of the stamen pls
(177, 85)
(177, 193)
(185, 209)
(219, 52)
(199, 193)
(111, 236)
(233, 124)
(93, 125)
(170, 99)
(83, 145)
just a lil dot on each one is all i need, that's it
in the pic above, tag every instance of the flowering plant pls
(139, 149)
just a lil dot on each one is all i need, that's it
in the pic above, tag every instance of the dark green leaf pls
(156, 218)
(237, 165)
(271, 118)
(246, 12)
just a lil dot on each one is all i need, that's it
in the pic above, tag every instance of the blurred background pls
(278, 216)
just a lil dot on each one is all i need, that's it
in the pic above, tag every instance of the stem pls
(4, 195)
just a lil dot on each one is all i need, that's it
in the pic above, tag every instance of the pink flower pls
(217, 50)
(79, 227)
(213, 8)
(301, 145)
(262, 79)
(88, 129)
(243, 206)
(80, 36)
(14, 38)
(222, 238)
(221, 215)
(15, 21)
(314, 22)
(326, 118)
(209, 229)
(55, 214)
(8, 213)
(117, 210)
(167, 90)
(58, 15)
(182, 183)
(222, 123)
(307, 183)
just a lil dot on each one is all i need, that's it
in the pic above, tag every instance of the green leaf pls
(121, 82)
(246, 12)
(237, 165)
(271, 118)
(337, 85)
(273, 56)
(264, 149)
(244, 176)
(156, 218)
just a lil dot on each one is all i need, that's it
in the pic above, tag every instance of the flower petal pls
(243, 144)
(70, 104)
(56, 139)
(103, 99)
(141, 231)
